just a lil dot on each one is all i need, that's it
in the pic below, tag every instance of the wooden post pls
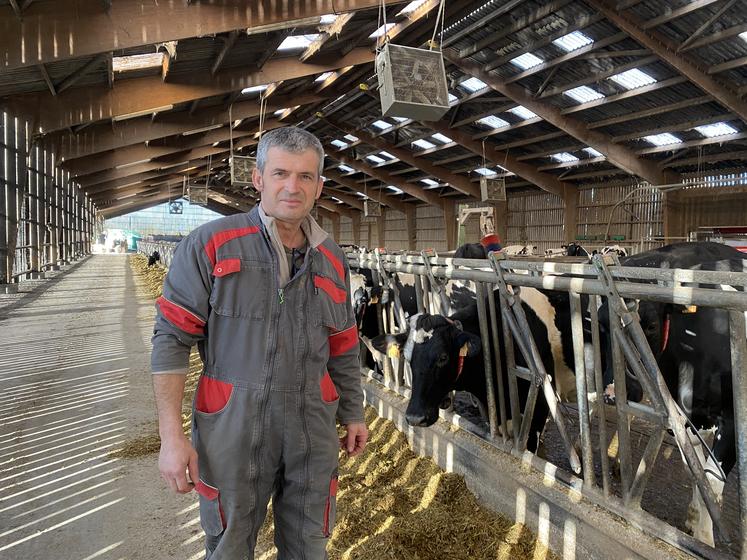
(335, 226)
(380, 229)
(500, 220)
(570, 214)
(450, 221)
(412, 234)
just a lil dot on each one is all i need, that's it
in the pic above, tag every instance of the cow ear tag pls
(690, 309)
(374, 299)
(464, 350)
(393, 351)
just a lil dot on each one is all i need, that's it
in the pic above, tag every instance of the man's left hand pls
(355, 438)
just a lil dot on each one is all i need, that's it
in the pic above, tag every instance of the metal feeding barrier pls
(588, 284)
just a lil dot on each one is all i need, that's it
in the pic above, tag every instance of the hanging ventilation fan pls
(175, 207)
(241, 169)
(198, 194)
(492, 190)
(371, 209)
(412, 83)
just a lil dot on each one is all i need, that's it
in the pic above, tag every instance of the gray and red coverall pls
(280, 365)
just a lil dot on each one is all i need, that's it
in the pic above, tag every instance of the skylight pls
(663, 139)
(631, 79)
(360, 194)
(381, 31)
(573, 41)
(376, 159)
(424, 144)
(583, 94)
(327, 19)
(387, 155)
(452, 98)
(564, 157)
(411, 7)
(400, 119)
(381, 125)
(522, 112)
(137, 62)
(492, 121)
(395, 189)
(345, 168)
(322, 77)
(350, 137)
(279, 112)
(254, 89)
(473, 84)
(337, 200)
(297, 42)
(484, 171)
(339, 143)
(593, 153)
(716, 129)
(441, 138)
(429, 182)
(743, 36)
(526, 61)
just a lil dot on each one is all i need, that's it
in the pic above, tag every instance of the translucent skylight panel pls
(441, 138)
(484, 171)
(322, 77)
(593, 153)
(297, 42)
(583, 94)
(424, 144)
(345, 168)
(492, 121)
(573, 41)
(522, 112)
(452, 98)
(279, 112)
(429, 182)
(564, 157)
(375, 159)
(387, 155)
(337, 200)
(526, 61)
(663, 139)
(473, 84)
(395, 189)
(631, 79)
(339, 143)
(327, 19)
(744, 36)
(381, 125)
(411, 7)
(254, 89)
(381, 31)
(716, 129)
(400, 119)
(350, 137)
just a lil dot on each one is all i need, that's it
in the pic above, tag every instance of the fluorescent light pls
(430, 182)
(411, 7)
(327, 19)
(631, 79)
(522, 112)
(142, 113)
(337, 200)
(441, 138)
(350, 137)
(573, 41)
(387, 155)
(215, 144)
(564, 157)
(203, 129)
(593, 153)
(473, 84)
(236, 123)
(395, 189)
(322, 77)
(743, 36)
(339, 143)
(381, 31)
(297, 42)
(583, 94)
(125, 165)
(360, 194)
(345, 168)
(381, 125)
(492, 121)
(423, 144)
(279, 112)
(663, 139)
(716, 129)
(137, 62)
(374, 158)
(484, 171)
(526, 61)
(254, 89)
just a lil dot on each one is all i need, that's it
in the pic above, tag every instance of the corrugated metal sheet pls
(346, 231)
(431, 231)
(535, 219)
(395, 228)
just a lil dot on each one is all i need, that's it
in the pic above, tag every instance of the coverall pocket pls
(240, 289)
(211, 513)
(212, 395)
(331, 302)
(329, 392)
(330, 508)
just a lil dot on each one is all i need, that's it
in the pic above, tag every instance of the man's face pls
(289, 184)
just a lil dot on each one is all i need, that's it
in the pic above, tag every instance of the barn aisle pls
(75, 386)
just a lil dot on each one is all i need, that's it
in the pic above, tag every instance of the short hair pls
(290, 139)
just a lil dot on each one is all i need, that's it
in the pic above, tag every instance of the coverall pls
(280, 362)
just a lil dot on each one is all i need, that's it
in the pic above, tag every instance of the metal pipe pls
(582, 394)
(599, 390)
(738, 336)
(487, 359)
(499, 374)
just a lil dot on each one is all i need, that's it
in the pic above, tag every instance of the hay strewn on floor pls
(393, 505)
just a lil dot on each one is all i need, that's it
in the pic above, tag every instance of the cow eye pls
(443, 359)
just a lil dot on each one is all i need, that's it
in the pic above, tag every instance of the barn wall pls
(535, 219)
(395, 235)
(346, 231)
(720, 201)
(431, 231)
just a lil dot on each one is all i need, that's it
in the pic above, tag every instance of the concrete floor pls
(74, 385)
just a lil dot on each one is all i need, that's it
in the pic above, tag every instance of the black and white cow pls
(154, 258)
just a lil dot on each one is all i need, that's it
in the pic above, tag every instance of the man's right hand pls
(177, 458)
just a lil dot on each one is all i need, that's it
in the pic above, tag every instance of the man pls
(265, 296)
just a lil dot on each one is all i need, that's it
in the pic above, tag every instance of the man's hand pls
(355, 438)
(178, 457)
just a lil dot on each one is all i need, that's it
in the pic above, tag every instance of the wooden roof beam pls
(335, 28)
(378, 196)
(228, 43)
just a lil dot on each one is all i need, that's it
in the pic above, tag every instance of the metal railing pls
(165, 250)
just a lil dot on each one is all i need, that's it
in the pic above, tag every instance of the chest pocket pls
(330, 303)
(241, 289)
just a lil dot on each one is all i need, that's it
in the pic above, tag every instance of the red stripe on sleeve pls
(336, 263)
(337, 295)
(223, 237)
(343, 341)
(180, 317)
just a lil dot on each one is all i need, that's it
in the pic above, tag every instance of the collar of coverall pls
(315, 235)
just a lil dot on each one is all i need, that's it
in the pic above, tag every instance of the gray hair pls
(290, 139)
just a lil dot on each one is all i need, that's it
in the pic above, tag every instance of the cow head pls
(436, 348)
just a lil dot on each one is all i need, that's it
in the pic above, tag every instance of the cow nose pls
(416, 420)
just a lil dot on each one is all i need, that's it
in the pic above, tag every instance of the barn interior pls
(593, 122)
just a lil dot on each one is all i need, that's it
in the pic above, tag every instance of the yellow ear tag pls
(393, 351)
(374, 299)
(690, 309)
(464, 350)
